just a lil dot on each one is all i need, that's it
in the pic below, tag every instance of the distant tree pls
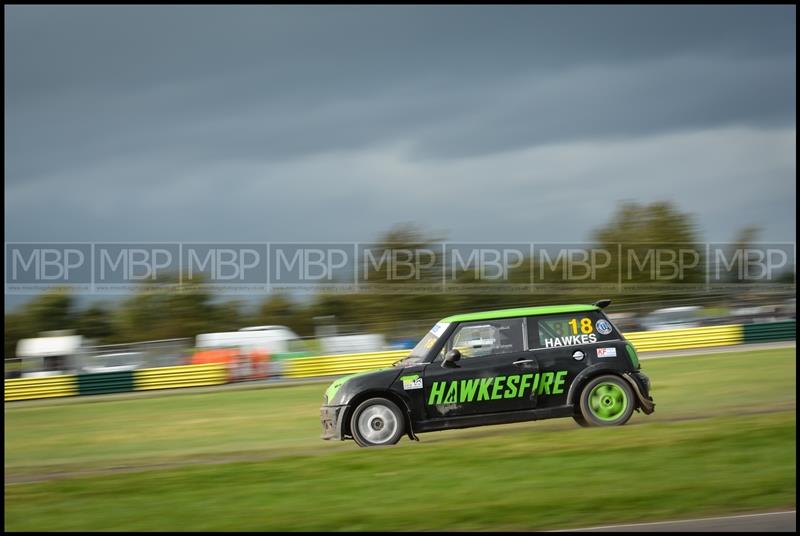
(275, 309)
(95, 323)
(747, 236)
(638, 229)
(16, 327)
(164, 310)
(412, 246)
(230, 316)
(279, 309)
(50, 310)
(743, 240)
(658, 222)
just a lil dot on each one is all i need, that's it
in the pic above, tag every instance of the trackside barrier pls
(772, 331)
(679, 339)
(102, 383)
(180, 376)
(309, 367)
(30, 388)
(334, 365)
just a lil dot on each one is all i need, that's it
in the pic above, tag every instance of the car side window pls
(488, 337)
(552, 331)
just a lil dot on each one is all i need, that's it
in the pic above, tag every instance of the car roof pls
(520, 311)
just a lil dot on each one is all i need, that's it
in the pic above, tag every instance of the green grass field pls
(722, 440)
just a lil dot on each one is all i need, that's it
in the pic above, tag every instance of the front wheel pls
(606, 401)
(377, 421)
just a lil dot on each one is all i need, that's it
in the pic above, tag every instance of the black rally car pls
(495, 367)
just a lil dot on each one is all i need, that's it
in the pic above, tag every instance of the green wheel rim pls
(608, 401)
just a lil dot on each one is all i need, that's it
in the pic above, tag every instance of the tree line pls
(149, 314)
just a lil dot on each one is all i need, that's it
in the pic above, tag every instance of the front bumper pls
(331, 420)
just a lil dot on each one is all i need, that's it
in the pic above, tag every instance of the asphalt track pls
(764, 522)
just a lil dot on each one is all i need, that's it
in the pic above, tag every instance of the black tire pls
(580, 420)
(377, 422)
(606, 401)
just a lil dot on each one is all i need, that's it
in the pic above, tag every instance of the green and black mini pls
(495, 367)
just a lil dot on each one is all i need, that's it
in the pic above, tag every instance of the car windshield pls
(420, 351)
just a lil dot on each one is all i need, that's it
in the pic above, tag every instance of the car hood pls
(343, 389)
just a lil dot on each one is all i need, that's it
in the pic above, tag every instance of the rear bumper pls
(331, 420)
(641, 386)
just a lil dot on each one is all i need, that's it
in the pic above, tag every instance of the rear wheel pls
(606, 401)
(376, 422)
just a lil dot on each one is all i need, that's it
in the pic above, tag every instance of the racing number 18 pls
(586, 325)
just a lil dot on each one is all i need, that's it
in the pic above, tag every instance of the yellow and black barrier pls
(30, 388)
(332, 365)
(180, 376)
(680, 339)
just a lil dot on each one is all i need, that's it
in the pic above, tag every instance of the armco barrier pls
(678, 339)
(181, 376)
(30, 388)
(103, 383)
(309, 367)
(771, 331)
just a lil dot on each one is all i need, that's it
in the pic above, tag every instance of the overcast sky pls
(311, 123)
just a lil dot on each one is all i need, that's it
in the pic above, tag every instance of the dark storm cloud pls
(129, 48)
(235, 123)
(280, 81)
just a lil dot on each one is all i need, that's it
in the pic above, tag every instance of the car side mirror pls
(451, 357)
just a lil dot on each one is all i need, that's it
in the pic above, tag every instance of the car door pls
(494, 374)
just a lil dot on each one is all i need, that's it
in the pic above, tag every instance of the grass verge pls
(722, 440)
(523, 480)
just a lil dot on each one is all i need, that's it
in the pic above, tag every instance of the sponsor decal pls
(577, 354)
(554, 342)
(606, 352)
(411, 382)
(439, 328)
(496, 388)
(603, 326)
